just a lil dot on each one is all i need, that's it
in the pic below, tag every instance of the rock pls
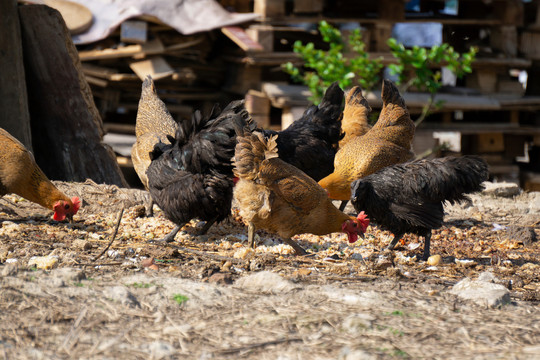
(348, 354)
(483, 291)
(503, 189)
(266, 282)
(122, 295)
(525, 235)
(82, 244)
(69, 275)
(160, 350)
(434, 260)
(55, 282)
(363, 298)
(220, 278)
(43, 262)
(10, 269)
(357, 322)
(9, 228)
(534, 201)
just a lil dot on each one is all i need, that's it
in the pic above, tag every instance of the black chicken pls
(192, 176)
(310, 143)
(409, 197)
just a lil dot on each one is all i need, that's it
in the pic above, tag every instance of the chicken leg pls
(427, 243)
(343, 205)
(394, 241)
(251, 235)
(297, 248)
(207, 226)
(170, 236)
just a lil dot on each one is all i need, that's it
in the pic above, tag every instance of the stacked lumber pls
(186, 75)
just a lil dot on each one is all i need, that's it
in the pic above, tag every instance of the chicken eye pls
(66, 206)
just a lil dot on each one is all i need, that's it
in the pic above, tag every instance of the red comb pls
(76, 204)
(363, 220)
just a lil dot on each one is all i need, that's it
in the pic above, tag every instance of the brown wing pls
(291, 185)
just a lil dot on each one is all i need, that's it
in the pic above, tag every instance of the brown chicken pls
(276, 196)
(19, 174)
(388, 142)
(153, 124)
(355, 116)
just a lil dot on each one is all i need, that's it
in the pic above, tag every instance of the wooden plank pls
(240, 38)
(96, 81)
(262, 34)
(152, 47)
(308, 6)
(269, 8)
(15, 117)
(66, 126)
(393, 10)
(156, 66)
(491, 142)
(134, 31)
(505, 39)
(483, 80)
(106, 73)
(257, 103)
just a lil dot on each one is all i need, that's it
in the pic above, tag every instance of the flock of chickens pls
(283, 182)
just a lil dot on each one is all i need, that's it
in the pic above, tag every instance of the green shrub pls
(332, 65)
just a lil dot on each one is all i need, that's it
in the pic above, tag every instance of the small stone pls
(265, 282)
(161, 350)
(147, 262)
(82, 244)
(383, 264)
(303, 271)
(220, 278)
(226, 266)
(394, 272)
(482, 292)
(524, 235)
(348, 354)
(243, 253)
(69, 275)
(503, 189)
(121, 295)
(43, 262)
(434, 260)
(10, 269)
(357, 322)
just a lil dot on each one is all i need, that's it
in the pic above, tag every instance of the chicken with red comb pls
(19, 174)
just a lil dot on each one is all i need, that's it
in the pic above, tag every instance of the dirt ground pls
(65, 294)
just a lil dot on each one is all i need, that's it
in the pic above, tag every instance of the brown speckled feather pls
(355, 115)
(19, 174)
(276, 196)
(153, 124)
(388, 142)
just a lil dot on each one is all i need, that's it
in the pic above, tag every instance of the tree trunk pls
(66, 127)
(15, 117)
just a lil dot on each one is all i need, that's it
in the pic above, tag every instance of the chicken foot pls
(251, 241)
(394, 241)
(427, 243)
(170, 236)
(251, 235)
(297, 248)
(149, 207)
(207, 226)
